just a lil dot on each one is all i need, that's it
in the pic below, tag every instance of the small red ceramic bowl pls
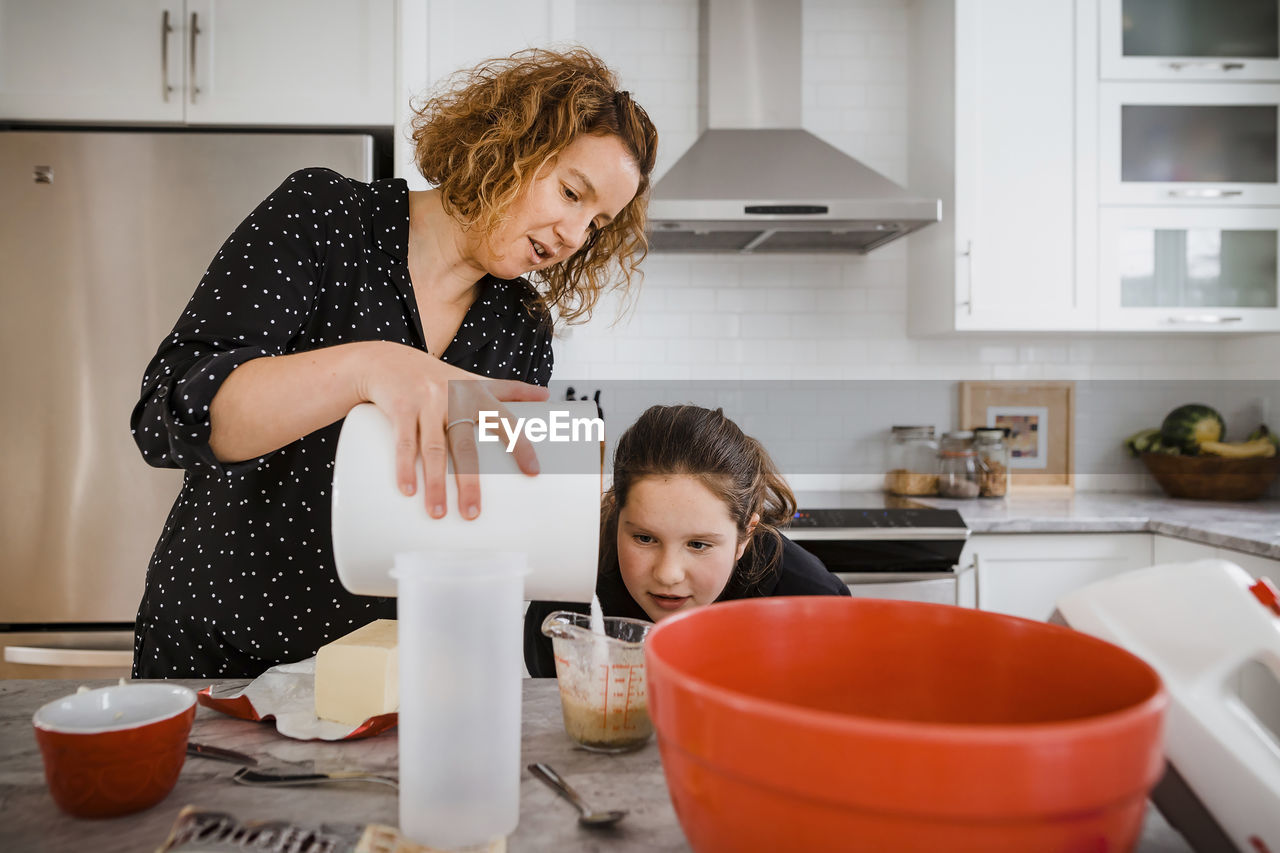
(114, 750)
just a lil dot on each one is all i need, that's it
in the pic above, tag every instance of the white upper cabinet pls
(993, 134)
(290, 62)
(1189, 144)
(243, 62)
(1223, 40)
(66, 60)
(1189, 269)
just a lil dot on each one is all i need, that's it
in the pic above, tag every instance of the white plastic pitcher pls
(460, 627)
(553, 517)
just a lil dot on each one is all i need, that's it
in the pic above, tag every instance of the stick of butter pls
(358, 676)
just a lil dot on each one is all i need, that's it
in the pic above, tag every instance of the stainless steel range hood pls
(754, 181)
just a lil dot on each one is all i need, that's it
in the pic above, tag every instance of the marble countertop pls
(1249, 526)
(30, 821)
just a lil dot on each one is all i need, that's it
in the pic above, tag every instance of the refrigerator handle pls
(44, 656)
(195, 33)
(165, 30)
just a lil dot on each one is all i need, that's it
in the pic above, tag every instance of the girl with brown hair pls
(694, 516)
(335, 292)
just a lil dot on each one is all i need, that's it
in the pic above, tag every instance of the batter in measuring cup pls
(692, 518)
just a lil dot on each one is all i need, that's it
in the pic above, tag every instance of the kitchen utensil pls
(800, 723)
(114, 750)
(601, 677)
(553, 517)
(202, 750)
(587, 816)
(246, 776)
(1210, 630)
(1212, 478)
(460, 622)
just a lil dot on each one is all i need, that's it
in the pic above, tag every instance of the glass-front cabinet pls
(1190, 39)
(1197, 144)
(1189, 269)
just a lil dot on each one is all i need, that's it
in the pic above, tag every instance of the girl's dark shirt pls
(798, 573)
(242, 576)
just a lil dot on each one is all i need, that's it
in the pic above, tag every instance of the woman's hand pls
(421, 396)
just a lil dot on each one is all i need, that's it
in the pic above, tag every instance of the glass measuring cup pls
(602, 685)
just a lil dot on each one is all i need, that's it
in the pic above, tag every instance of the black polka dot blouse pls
(243, 577)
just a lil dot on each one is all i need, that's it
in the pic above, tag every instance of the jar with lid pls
(993, 461)
(913, 461)
(958, 466)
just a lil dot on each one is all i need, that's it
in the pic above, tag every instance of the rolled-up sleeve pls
(252, 302)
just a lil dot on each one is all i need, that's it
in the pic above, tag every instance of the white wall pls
(805, 317)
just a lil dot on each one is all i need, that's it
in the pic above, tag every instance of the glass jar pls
(958, 466)
(913, 461)
(993, 461)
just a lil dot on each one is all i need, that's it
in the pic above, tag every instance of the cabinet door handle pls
(195, 32)
(967, 254)
(1201, 319)
(1184, 64)
(165, 29)
(1205, 193)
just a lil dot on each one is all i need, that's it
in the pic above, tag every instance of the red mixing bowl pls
(825, 723)
(114, 750)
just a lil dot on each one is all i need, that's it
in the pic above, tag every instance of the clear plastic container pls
(993, 461)
(460, 680)
(913, 461)
(958, 466)
(602, 683)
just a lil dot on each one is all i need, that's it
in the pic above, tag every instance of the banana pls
(1143, 441)
(1256, 449)
(1263, 432)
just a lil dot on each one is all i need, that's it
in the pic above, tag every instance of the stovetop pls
(905, 520)
(876, 533)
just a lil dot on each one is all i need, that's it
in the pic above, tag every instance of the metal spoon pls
(245, 776)
(587, 816)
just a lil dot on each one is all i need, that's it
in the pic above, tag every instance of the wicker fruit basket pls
(1212, 478)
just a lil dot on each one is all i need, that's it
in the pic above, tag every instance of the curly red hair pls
(484, 137)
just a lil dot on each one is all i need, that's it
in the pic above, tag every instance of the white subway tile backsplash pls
(758, 326)
(637, 349)
(664, 325)
(1043, 353)
(1017, 371)
(692, 352)
(887, 299)
(818, 326)
(997, 354)
(765, 274)
(692, 300)
(841, 352)
(717, 325)
(791, 300)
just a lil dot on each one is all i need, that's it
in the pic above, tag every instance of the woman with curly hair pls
(334, 292)
(693, 517)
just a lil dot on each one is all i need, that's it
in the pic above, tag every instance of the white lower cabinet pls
(1170, 549)
(1024, 574)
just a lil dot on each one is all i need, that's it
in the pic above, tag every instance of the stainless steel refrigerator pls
(103, 237)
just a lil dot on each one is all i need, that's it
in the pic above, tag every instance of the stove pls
(881, 534)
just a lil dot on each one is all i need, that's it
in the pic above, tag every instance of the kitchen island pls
(29, 821)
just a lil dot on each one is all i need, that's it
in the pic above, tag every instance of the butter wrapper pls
(287, 695)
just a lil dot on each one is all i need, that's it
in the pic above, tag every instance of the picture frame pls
(1041, 419)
